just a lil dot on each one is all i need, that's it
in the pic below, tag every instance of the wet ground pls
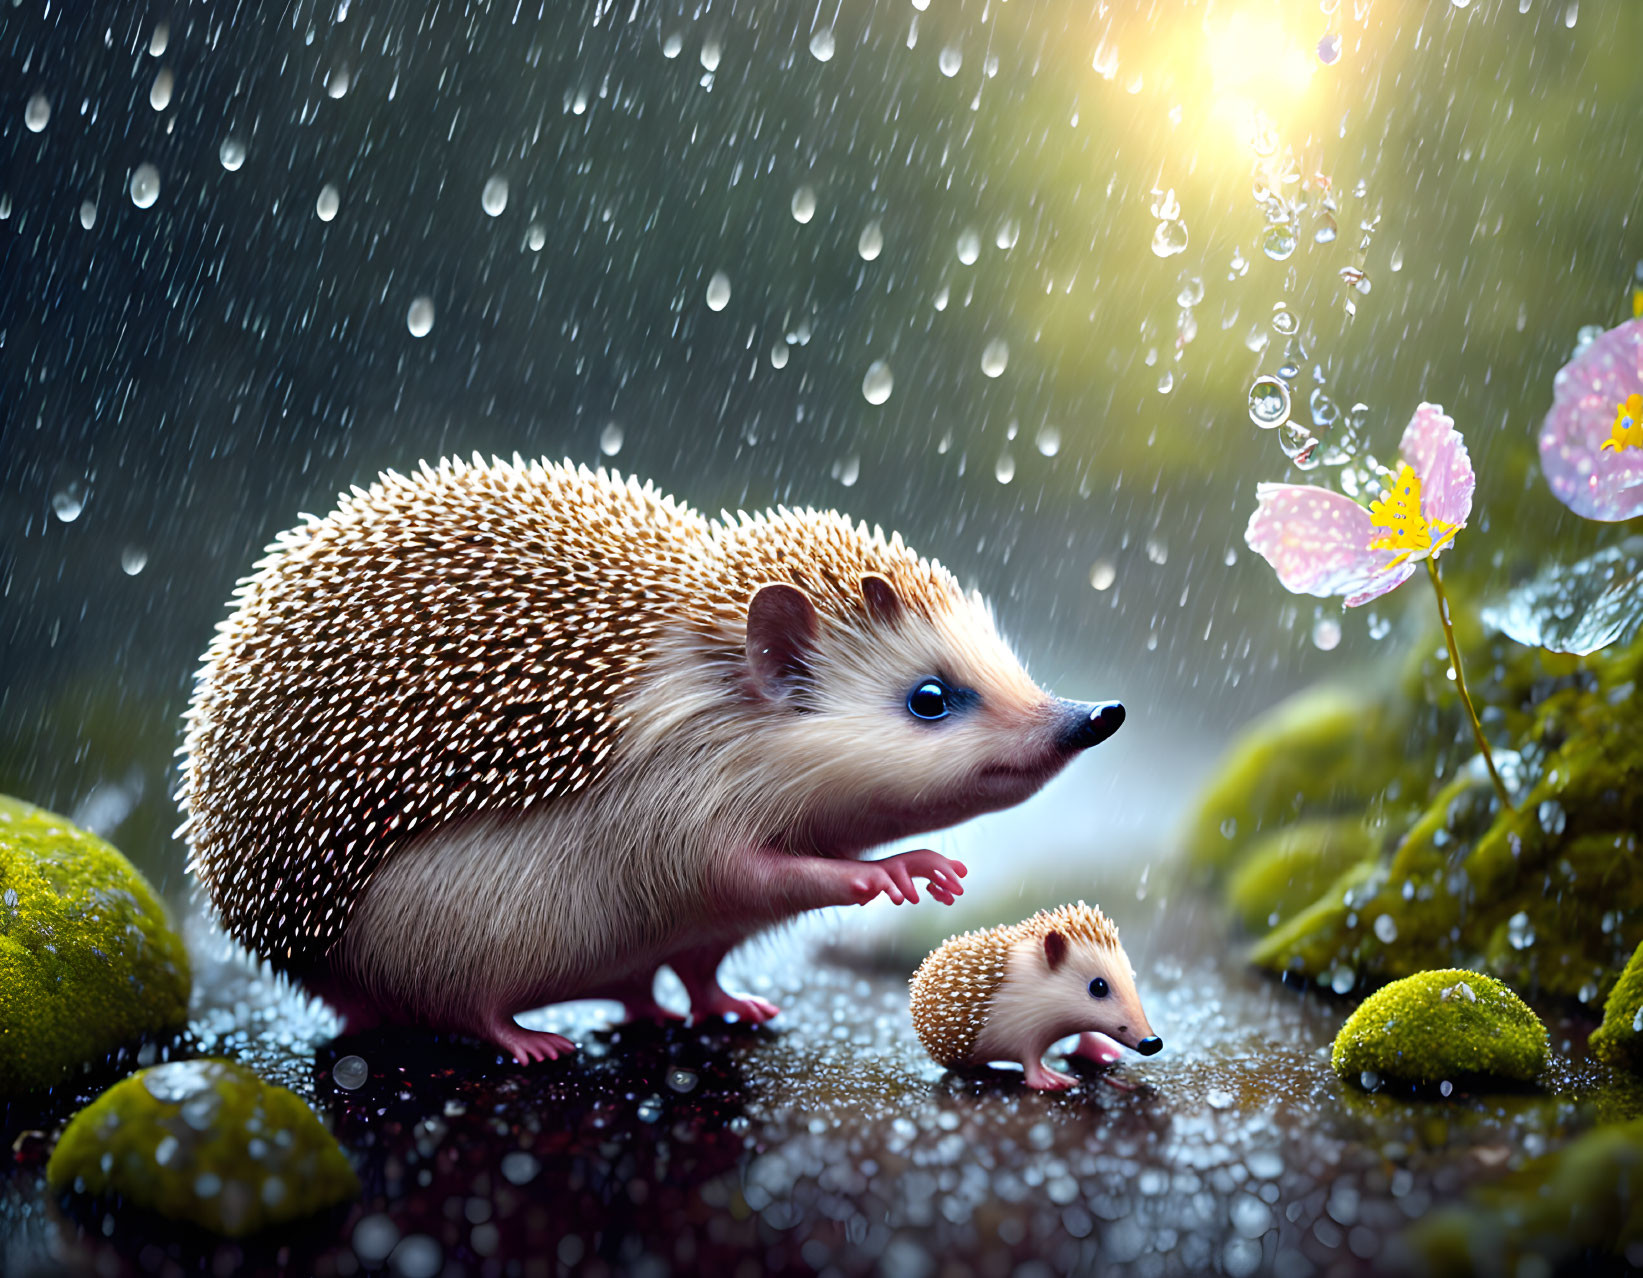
(829, 1143)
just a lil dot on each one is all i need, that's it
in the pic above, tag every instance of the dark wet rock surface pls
(829, 1143)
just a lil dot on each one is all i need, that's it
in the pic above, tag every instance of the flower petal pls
(1390, 579)
(1318, 542)
(1585, 393)
(1433, 446)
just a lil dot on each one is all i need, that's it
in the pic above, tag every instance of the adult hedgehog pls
(491, 736)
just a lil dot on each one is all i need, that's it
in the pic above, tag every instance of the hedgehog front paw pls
(526, 1046)
(746, 1008)
(893, 876)
(1045, 1079)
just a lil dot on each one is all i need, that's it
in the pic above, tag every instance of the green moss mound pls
(88, 958)
(1571, 1211)
(1619, 1040)
(206, 1142)
(1451, 1024)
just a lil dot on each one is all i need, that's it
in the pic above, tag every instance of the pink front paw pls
(1044, 1079)
(526, 1046)
(894, 876)
(746, 1008)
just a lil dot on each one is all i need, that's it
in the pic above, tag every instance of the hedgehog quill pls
(496, 735)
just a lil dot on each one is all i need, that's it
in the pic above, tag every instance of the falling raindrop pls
(876, 386)
(804, 204)
(1284, 320)
(159, 93)
(672, 44)
(1279, 242)
(712, 51)
(950, 61)
(160, 39)
(419, 318)
(848, 471)
(1004, 471)
(1299, 444)
(494, 197)
(37, 113)
(1326, 633)
(88, 214)
(969, 246)
(1103, 573)
(69, 500)
(1329, 49)
(1268, 403)
(133, 559)
(610, 439)
(1049, 440)
(718, 291)
(536, 236)
(1326, 230)
(1009, 231)
(779, 355)
(336, 84)
(231, 153)
(1386, 929)
(329, 201)
(1169, 238)
(1191, 291)
(995, 356)
(1239, 266)
(821, 45)
(145, 186)
(871, 241)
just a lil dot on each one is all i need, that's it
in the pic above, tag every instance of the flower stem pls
(1460, 685)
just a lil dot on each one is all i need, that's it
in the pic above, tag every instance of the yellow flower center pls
(1628, 426)
(1398, 513)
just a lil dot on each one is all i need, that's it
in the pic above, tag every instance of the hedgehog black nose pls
(1149, 1046)
(1089, 724)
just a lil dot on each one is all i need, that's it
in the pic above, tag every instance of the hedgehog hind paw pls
(1042, 1078)
(528, 1046)
(746, 1008)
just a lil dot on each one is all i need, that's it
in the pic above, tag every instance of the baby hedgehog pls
(493, 736)
(1008, 993)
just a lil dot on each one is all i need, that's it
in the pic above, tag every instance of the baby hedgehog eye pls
(1098, 988)
(928, 700)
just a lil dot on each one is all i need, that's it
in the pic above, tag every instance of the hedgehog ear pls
(1055, 949)
(882, 600)
(781, 627)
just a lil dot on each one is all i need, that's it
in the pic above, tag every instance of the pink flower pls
(1323, 543)
(1587, 394)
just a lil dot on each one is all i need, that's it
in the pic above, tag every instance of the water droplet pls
(1326, 633)
(1191, 291)
(1519, 931)
(178, 1081)
(350, 1073)
(672, 44)
(1103, 573)
(337, 82)
(712, 51)
(419, 318)
(969, 246)
(1284, 320)
(804, 204)
(950, 61)
(1461, 4)
(995, 356)
(1325, 411)
(1009, 231)
(848, 471)
(37, 113)
(1229, 828)
(1552, 817)
(536, 235)
(778, 355)
(939, 301)
(1049, 440)
(494, 197)
(88, 214)
(650, 1109)
(1586, 335)
(1239, 266)
(231, 153)
(1166, 382)
(1325, 231)
(145, 186)
(682, 1080)
(876, 386)
(610, 439)
(1268, 403)
(718, 291)
(871, 241)
(1379, 626)
(1157, 550)
(821, 45)
(158, 41)
(1004, 471)
(1298, 444)
(1169, 238)
(1278, 242)
(1342, 979)
(159, 93)
(520, 1167)
(69, 500)
(1386, 929)
(329, 201)
(1329, 49)
(133, 559)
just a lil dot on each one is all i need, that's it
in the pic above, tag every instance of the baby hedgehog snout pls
(1008, 993)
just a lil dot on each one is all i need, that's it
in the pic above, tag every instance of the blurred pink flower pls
(1323, 543)
(1587, 392)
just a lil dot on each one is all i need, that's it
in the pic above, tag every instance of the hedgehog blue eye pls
(929, 700)
(1098, 988)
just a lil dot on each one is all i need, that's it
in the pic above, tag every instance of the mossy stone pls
(1285, 871)
(1619, 1040)
(206, 1142)
(89, 960)
(1572, 1211)
(1449, 1024)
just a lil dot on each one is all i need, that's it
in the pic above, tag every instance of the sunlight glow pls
(1258, 72)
